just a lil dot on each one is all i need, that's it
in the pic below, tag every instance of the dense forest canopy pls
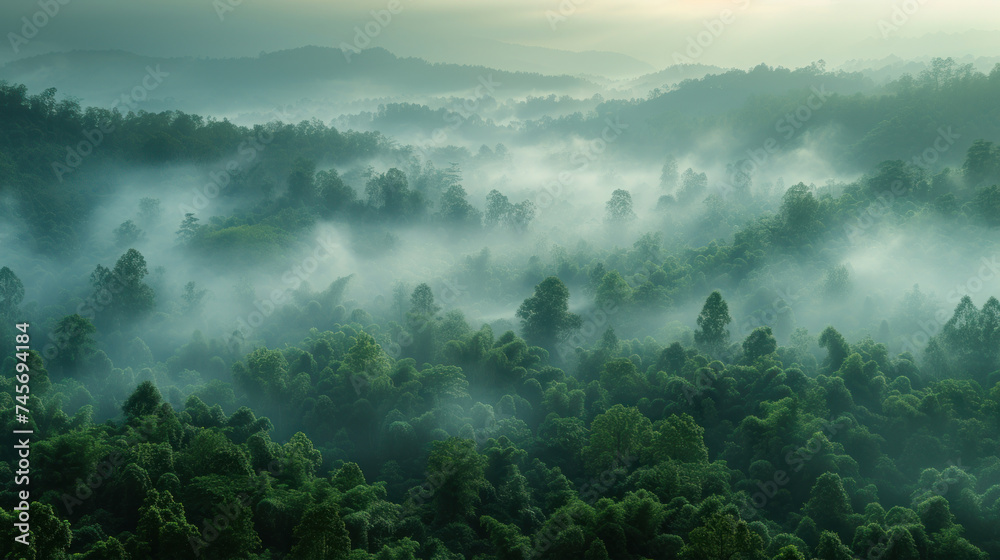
(529, 336)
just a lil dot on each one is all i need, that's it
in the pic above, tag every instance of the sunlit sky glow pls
(789, 33)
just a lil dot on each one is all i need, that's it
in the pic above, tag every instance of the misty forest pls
(320, 303)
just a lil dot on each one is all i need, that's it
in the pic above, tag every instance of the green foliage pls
(366, 356)
(788, 553)
(545, 316)
(189, 229)
(830, 548)
(128, 234)
(456, 471)
(613, 292)
(163, 530)
(49, 535)
(507, 539)
(681, 439)
(829, 504)
(455, 208)
(758, 344)
(987, 204)
(616, 436)
(242, 242)
(712, 335)
(389, 195)
(836, 347)
(982, 163)
(129, 297)
(76, 343)
(144, 401)
(722, 536)
(968, 343)
(618, 210)
(693, 186)
(668, 174)
(800, 213)
(265, 373)
(321, 535)
(11, 293)
(501, 213)
(399, 432)
(422, 301)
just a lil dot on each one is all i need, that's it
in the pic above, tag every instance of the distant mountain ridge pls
(217, 86)
(522, 58)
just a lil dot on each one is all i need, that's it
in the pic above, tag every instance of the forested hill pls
(843, 118)
(57, 157)
(346, 350)
(270, 80)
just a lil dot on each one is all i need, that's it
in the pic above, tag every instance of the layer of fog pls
(569, 183)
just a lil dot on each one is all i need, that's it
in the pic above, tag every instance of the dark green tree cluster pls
(489, 451)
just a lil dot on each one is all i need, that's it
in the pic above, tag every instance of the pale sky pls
(785, 32)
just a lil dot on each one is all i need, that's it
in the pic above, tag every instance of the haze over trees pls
(307, 340)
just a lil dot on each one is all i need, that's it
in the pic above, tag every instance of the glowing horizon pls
(777, 32)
